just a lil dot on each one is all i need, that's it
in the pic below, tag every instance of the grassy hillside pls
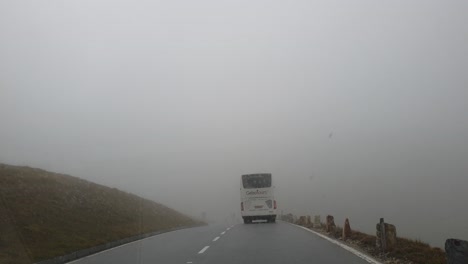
(45, 214)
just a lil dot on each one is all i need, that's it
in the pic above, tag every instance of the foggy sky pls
(174, 100)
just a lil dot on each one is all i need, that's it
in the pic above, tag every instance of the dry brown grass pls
(363, 238)
(406, 249)
(44, 214)
(418, 252)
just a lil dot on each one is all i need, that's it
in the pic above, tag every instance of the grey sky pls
(173, 100)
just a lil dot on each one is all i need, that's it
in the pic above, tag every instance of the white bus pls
(257, 198)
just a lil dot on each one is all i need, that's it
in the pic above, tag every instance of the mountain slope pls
(45, 214)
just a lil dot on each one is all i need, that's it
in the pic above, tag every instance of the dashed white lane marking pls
(203, 250)
(216, 238)
(224, 232)
(228, 228)
(189, 262)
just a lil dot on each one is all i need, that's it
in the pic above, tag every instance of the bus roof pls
(256, 174)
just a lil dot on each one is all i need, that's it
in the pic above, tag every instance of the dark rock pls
(346, 230)
(330, 227)
(456, 251)
(302, 221)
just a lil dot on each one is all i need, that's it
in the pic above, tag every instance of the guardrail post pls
(383, 239)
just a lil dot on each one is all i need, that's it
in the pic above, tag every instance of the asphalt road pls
(252, 243)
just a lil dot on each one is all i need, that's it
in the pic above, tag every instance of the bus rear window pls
(256, 181)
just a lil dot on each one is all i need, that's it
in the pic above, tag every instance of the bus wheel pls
(247, 221)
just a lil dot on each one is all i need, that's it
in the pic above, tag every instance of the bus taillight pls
(242, 206)
(274, 204)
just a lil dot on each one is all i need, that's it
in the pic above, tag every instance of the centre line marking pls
(203, 250)
(224, 232)
(216, 238)
(228, 228)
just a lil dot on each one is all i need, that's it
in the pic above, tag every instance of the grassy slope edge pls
(45, 214)
(406, 251)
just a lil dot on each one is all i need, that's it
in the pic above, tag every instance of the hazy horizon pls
(357, 109)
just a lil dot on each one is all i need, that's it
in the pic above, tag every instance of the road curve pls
(252, 243)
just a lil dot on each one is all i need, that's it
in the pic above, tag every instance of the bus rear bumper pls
(268, 218)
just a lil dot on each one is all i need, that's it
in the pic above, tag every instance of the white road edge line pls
(203, 250)
(123, 245)
(348, 248)
(216, 238)
(224, 232)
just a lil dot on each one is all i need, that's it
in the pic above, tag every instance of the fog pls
(357, 109)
